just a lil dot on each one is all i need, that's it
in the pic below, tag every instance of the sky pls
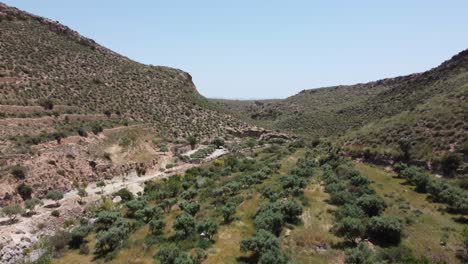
(253, 49)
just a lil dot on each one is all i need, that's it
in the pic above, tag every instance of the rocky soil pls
(18, 237)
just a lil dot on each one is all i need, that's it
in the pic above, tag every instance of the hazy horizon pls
(266, 49)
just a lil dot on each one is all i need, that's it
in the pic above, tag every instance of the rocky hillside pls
(72, 111)
(42, 59)
(428, 109)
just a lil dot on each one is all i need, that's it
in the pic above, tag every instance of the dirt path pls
(24, 233)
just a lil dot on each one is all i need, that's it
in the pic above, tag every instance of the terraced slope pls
(42, 59)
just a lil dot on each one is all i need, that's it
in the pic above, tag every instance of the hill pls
(428, 109)
(73, 111)
(42, 59)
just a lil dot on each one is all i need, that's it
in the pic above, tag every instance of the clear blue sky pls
(271, 49)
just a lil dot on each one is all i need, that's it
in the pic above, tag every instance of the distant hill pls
(428, 109)
(42, 59)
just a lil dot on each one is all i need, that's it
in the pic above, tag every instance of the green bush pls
(19, 172)
(184, 225)
(24, 190)
(55, 195)
(134, 205)
(157, 226)
(125, 194)
(371, 204)
(350, 228)
(227, 211)
(385, 230)
(361, 255)
(218, 142)
(55, 213)
(12, 211)
(450, 163)
(190, 207)
(262, 242)
(208, 228)
(31, 204)
(171, 254)
(77, 236)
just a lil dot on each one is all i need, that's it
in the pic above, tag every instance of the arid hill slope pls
(40, 59)
(428, 109)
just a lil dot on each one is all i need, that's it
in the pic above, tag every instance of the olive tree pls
(184, 225)
(157, 226)
(207, 228)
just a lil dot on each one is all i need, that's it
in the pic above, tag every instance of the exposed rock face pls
(23, 237)
(60, 166)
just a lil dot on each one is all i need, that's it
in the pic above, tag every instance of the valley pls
(104, 159)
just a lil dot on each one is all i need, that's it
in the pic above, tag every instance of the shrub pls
(146, 214)
(291, 211)
(47, 104)
(198, 256)
(349, 210)
(450, 163)
(406, 149)
(82, 193)
(24, 190)
(188, 195)
(58, 136)
(84, 249)
(189, 207)
(59, 240)
(385, 229)
(125, 194)
(77, 236)
(260, 243)
(361, 255)
(97, 128)
(228, 211)
(19, 172)
(359, 180)
(218, 142)
(203, 153)
(55, 213)
(82, 132)
(12, 211)
(134, 205)
(31, 204)
(341, 197)
(350, 228)
(55, 195)
(105, 219)
(269, 220)
(110, 240)
(192, 140)
(372, 205)
(157, 226)
(171, 254)
(273, 256)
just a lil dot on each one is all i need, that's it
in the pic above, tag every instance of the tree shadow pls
(342, 245)
(9, 222)
(461, 219)
(247, 260)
